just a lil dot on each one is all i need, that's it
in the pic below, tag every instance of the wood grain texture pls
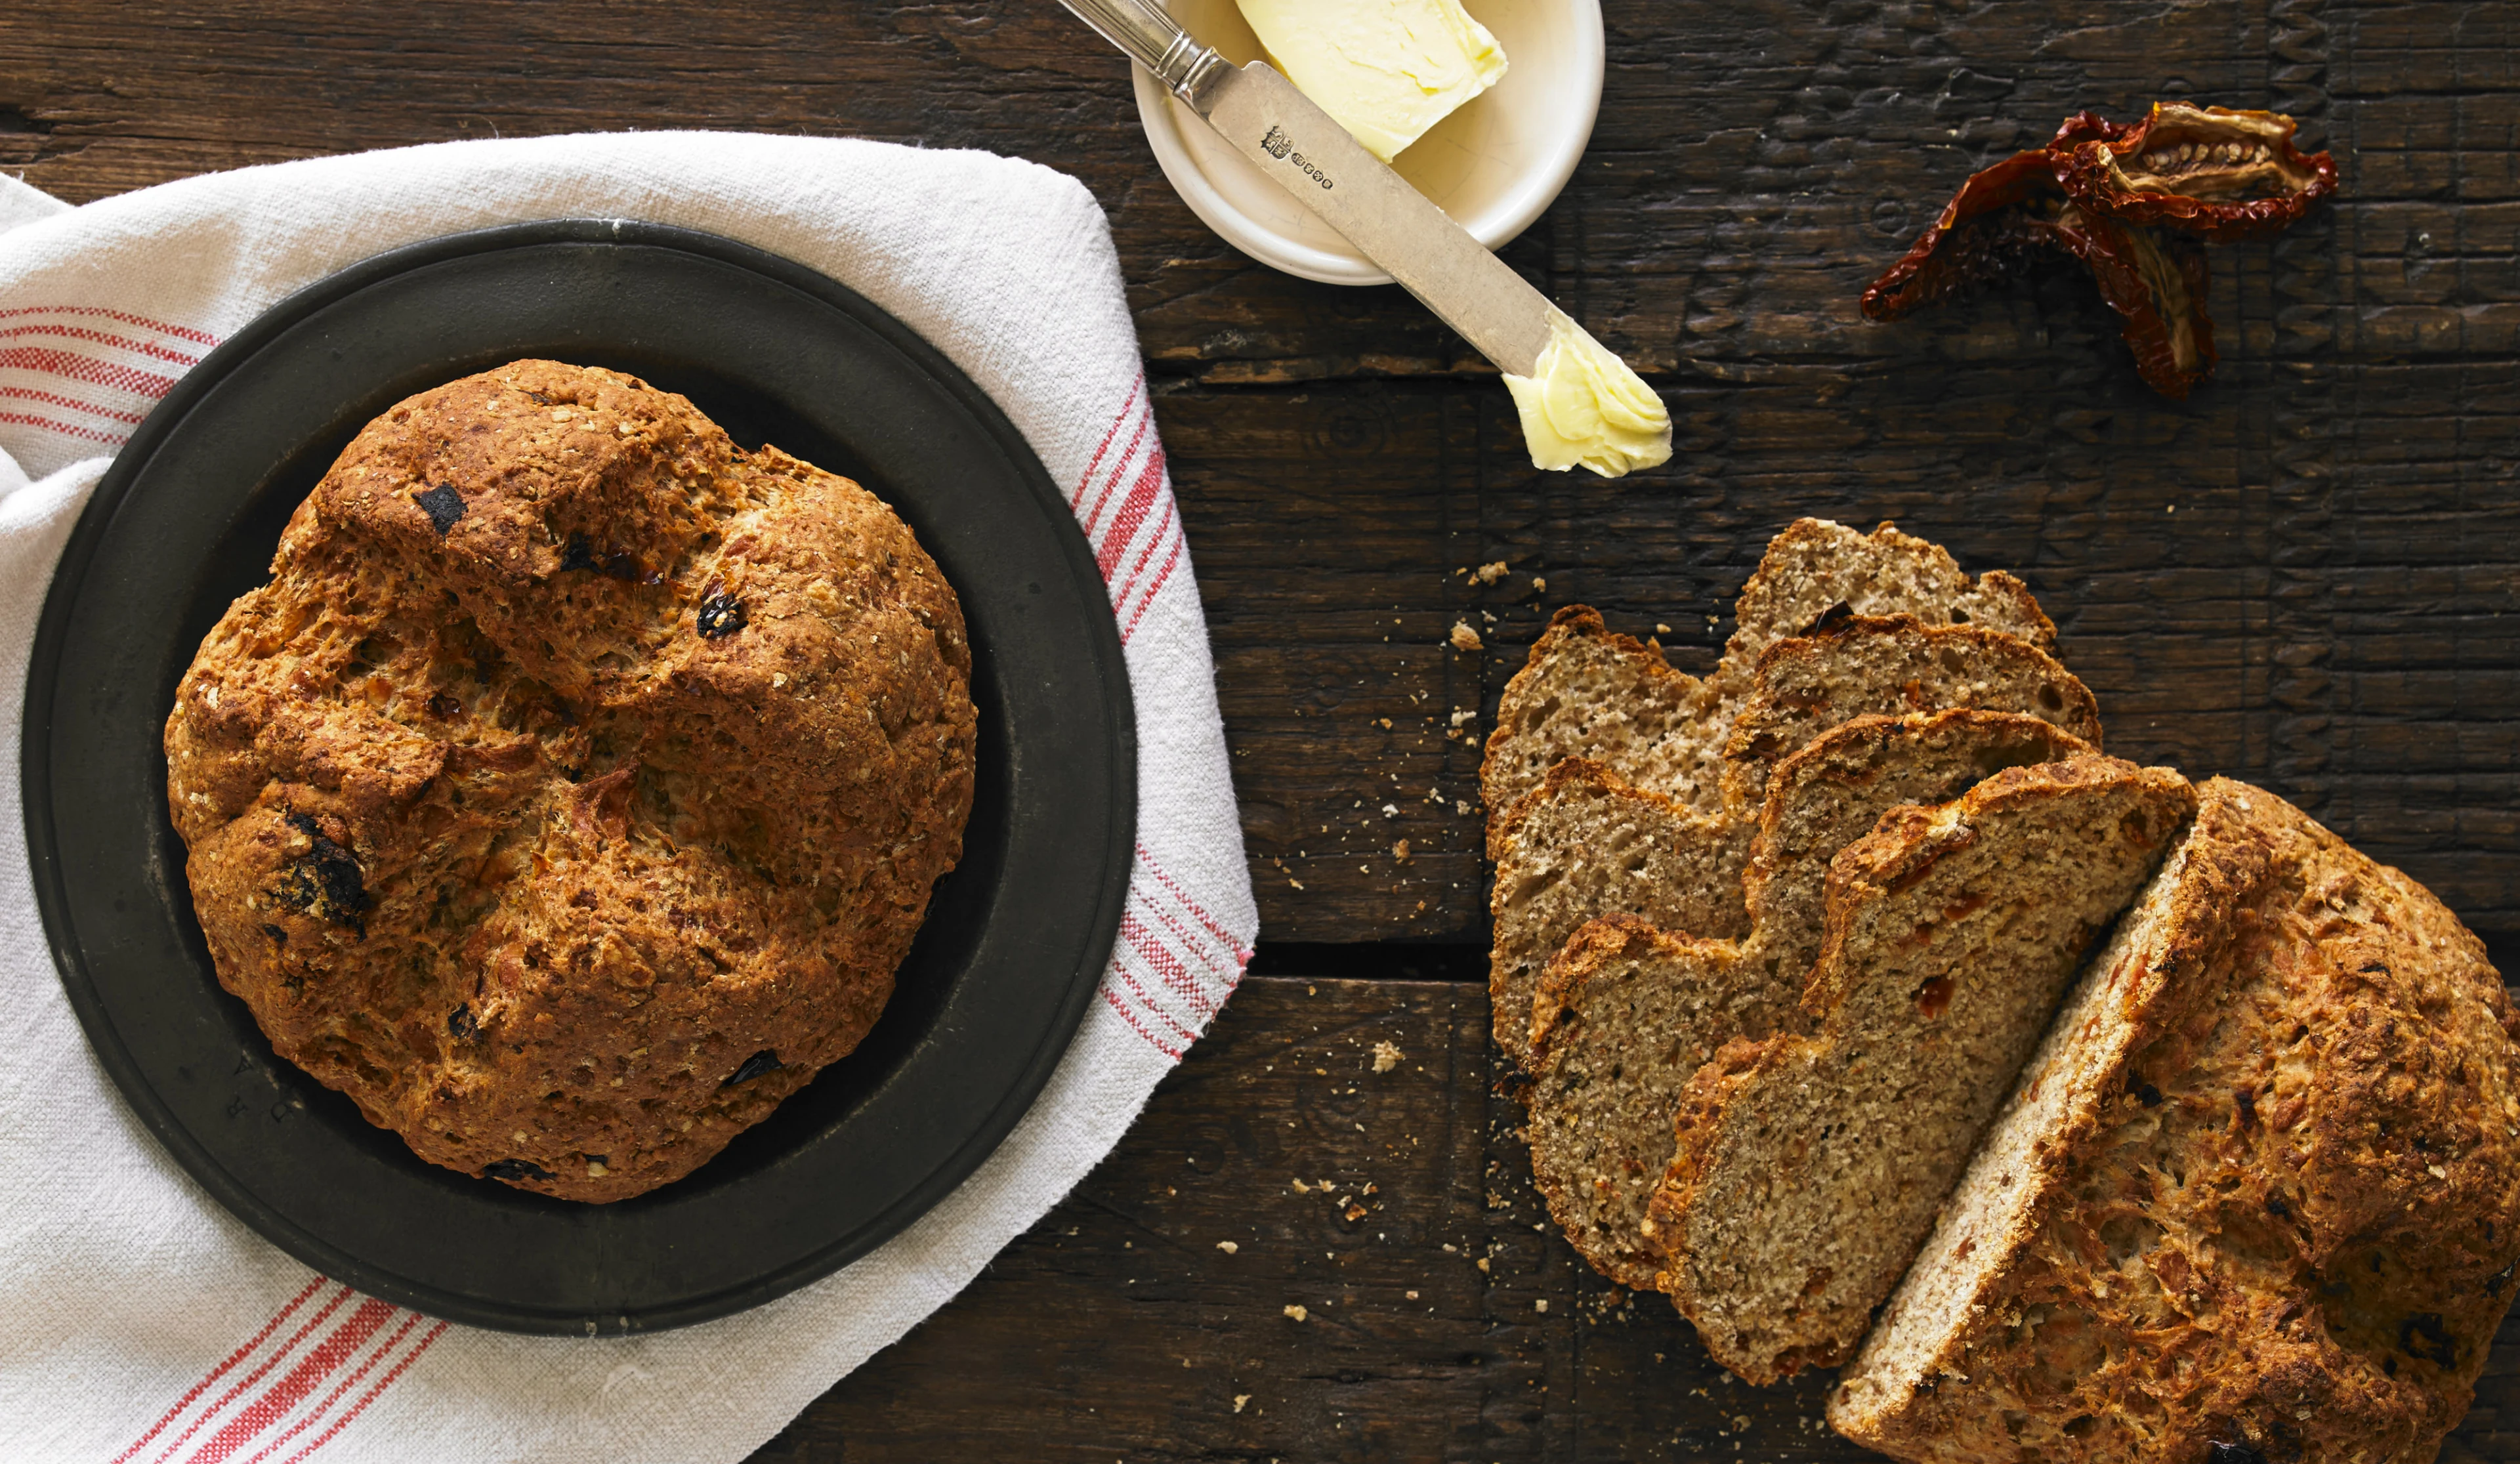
(1117, 1330)
(2306, 576)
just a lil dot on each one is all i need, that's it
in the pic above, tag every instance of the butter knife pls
(1307, 152)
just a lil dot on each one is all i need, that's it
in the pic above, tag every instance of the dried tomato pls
(2134, 205)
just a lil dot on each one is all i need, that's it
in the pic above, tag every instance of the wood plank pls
(1117, 1330)
(2304, 576)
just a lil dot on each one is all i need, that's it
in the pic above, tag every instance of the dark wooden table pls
(2307, 576)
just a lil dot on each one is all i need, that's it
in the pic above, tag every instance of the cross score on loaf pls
(571, 793)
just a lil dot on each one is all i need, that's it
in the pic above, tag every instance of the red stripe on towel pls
(105, 338)
(1162, 575)
(30, 394)
(1085, 479)
(220, 1371)
(293, 1386)
(180, 332)
(87, 434)
(1240, 951)
(72, 366)
(315, 1415)
(1133, 512)
(339, 1296)
(1137, 1025)
(369, 1397)
(1092, 514)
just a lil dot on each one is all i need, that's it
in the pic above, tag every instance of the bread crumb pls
(1539, 586)
(1412, 1295)
(1489, 574)
(1302, 1189)
(1391, 811)
(1400, 851)
(1227, 1247)
(1239, 1399)
(1541, 1304)
(1388, 1056)
(1464, 638)
(1297, 1313)
(1661, 628)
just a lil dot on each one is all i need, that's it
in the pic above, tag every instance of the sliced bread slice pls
(1592, 843)
(1598, 847)
(1854, 665)
(1808, 1169)
(1815, 566)
(1833, 793)
(2257, 1196)
(1626, 1014)
(1588, 692)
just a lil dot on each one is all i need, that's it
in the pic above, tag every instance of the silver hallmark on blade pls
(1312, 157)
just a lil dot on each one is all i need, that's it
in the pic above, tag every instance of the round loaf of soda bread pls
(571, 793)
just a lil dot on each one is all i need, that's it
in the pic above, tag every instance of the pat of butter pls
(1388, 70)
(1581, 404)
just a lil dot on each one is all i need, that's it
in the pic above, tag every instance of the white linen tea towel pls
(139, 1323)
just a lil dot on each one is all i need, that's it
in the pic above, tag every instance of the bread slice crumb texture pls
(1588, 692)
(1592, 846)
(1625, 1013)
(1809, 1168)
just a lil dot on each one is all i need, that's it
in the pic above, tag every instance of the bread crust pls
(2269, 1152)
(571, 793)
(1815, 566)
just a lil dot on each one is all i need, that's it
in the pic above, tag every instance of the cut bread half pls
(2257, 1196)
(1857, 665)
(1625, 1013)
(1598, 847)
(1587, 691)
(1808, 1169)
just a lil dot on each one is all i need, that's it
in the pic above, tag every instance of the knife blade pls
(1306, 151)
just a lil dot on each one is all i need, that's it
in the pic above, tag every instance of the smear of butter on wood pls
(1387, 69)
(1582, 404)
